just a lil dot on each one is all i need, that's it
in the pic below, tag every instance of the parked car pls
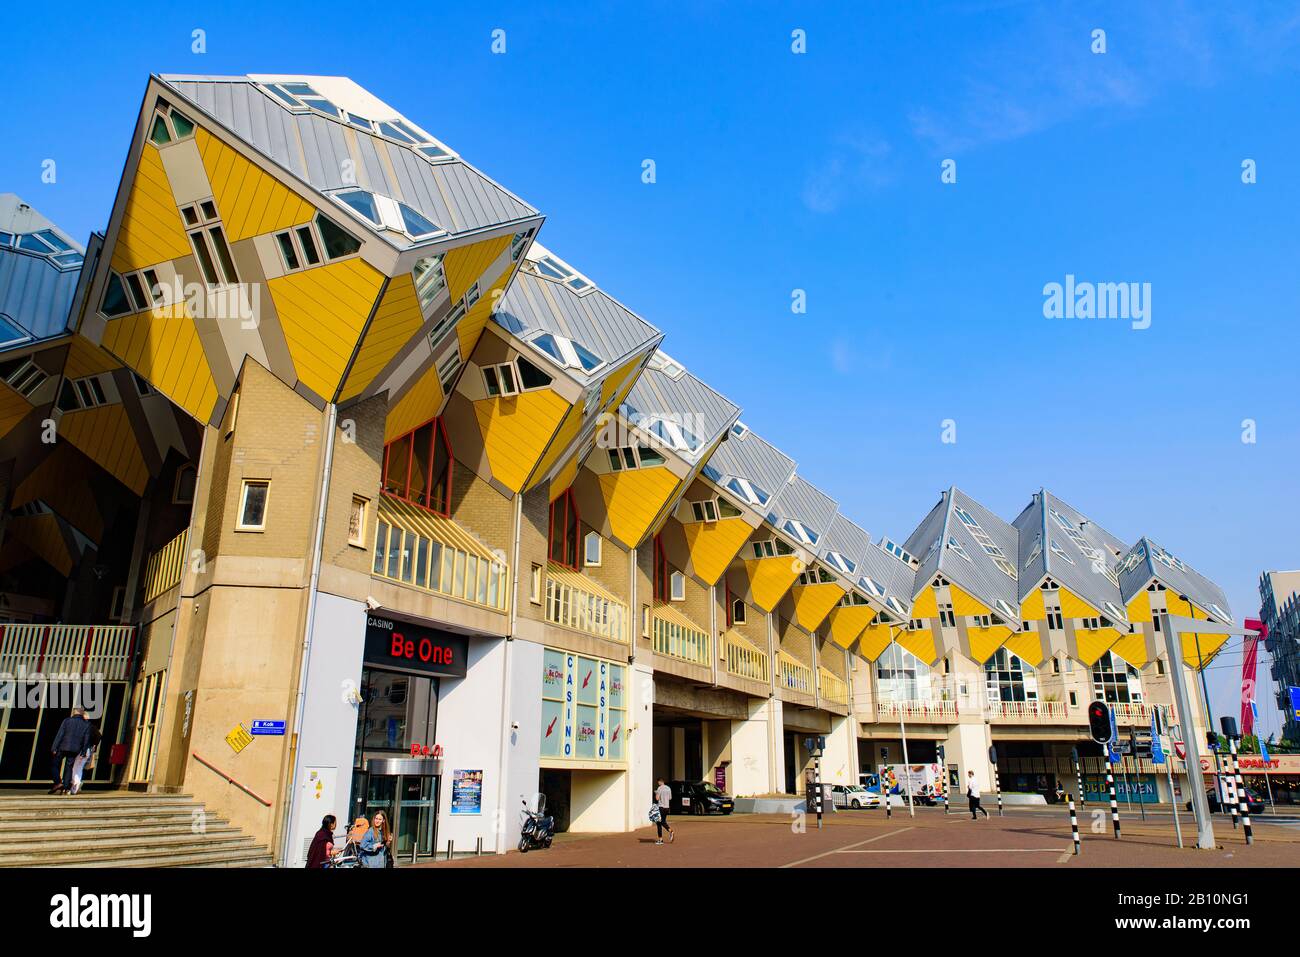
(699, 797)
(853, 796)
(1254, 804)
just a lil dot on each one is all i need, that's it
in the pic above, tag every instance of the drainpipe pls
(505, 678)
(331, 416)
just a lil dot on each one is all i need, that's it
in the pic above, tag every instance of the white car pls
(853, 796)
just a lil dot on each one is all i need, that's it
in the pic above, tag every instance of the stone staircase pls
(119, 829)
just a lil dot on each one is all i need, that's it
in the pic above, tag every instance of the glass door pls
(417, 811)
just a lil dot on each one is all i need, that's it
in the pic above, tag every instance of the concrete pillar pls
(751, 749)
(679, 753)
(967, 747)
(839, 763)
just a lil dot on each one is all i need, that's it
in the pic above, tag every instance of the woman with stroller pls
(377, 845)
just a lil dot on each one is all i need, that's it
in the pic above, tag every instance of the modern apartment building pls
(330, 488)
(1279, 610)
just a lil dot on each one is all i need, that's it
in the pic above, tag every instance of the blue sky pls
(821, 172)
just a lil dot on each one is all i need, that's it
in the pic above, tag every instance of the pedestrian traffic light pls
(1229, 725)
(1099, 722)
(1211, 740)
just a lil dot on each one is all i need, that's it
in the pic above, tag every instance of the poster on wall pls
(466, 792)
(583, 708)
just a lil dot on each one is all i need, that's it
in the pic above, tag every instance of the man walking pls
(72, 738)
(973, 792)
(663, 798)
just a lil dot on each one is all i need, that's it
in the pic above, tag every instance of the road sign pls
(1142, 743)
(1113, 746)
(1157, 746)
(1180, 749)
(238, 738)
(266, 726)
(1295, 702)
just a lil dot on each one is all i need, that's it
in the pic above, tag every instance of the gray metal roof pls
(1082, 562)
(847, 539)
(922, 543)
(805, 503)
(744, 455)
(36, 291)
(1152, 560)
(981, 576)
(313, 147)
(661, 390)
(895, 576)
(534, 304)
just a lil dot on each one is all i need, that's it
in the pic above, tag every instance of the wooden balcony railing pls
(101, 651)
(163, 569)
(1043, 711)
(744, 659)
(675, 636)
(793, 673)
(832, 687)
(914, 710)
(574, 602)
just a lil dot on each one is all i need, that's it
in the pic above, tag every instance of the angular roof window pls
(567, 352)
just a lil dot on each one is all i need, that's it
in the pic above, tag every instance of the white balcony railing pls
(1130, 712)
(793, 673)
(917, 710)
(1041, 711)
(102, 651)
(573, 602)
(676, 637)
(745, 660)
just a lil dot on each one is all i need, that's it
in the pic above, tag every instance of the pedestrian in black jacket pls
(73, 737)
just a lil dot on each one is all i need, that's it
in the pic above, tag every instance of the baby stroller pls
(350, 855)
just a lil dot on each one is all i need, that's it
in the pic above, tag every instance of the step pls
(122, 817)
(115, 825)
(71, 808)
(90, 831)
(44, 855)
(253, 857)
(53, 802)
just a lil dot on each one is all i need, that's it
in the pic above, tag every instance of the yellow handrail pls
(833, 687)
(432, 553)
(164, 568)
(570, 605)
(794, 674)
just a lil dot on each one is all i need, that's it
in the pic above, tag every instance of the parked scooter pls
(539, 827)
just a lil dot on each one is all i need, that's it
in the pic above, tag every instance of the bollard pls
(1227, 793)
(945, 797)
(1240, 788)
(1074, 828)
(1114, 804)
(998, 788)
(1078, 776)
(478, 848)
(449, 847)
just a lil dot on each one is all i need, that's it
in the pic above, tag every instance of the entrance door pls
(411, 803)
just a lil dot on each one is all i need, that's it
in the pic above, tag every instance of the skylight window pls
(740, 429)
(1059, 551)
(1036, 550)
(898, 551)
(956, 547)
(47, 243)
(661, 362)
(1005, 608)
(670, 433)
(747, 490)
(1219, 612)
(300, 95)
(844, 564)
(1116, 612)
(9, 331)
(553, 268)
(873, 586)
(567, 352)
(1135, 555)
(386, 213)
(896, 605)
(800, 531)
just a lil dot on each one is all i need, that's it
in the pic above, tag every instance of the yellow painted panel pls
(920, 643)
(564, 435)
(873, 641)
(848, 622)
(963, 604)
(713, 545)
(470, 328)
(812, 603)
(926, 603)
(322, 312)
(42, 535)
(1177, 606)
(105, 434)
(1032, 608)
(634, 498)
(564, 478)
(250, 200)
(85, 358)
(165, 349)
(63, 481)
(1139, 607)
(151, 230)
(1072, 606)
(1092, 643)
(1027, 645)
(984, 641)
(619, 383)
(464, 265)
(770, 579)
(1133, 649)
(516, 430)
(396, 321)
(420, 404)
(13, 409)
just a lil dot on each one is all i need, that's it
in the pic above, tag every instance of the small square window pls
(252, 506)
(357, 522)
(591, 550)
(183, 485)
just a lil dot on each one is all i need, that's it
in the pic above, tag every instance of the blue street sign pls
(263, 726)
(1263, 748)
(1157, 752)
(1295, 702)
(1111, 753)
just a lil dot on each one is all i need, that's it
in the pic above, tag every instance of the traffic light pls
(1211, 740)
(1099, 722)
